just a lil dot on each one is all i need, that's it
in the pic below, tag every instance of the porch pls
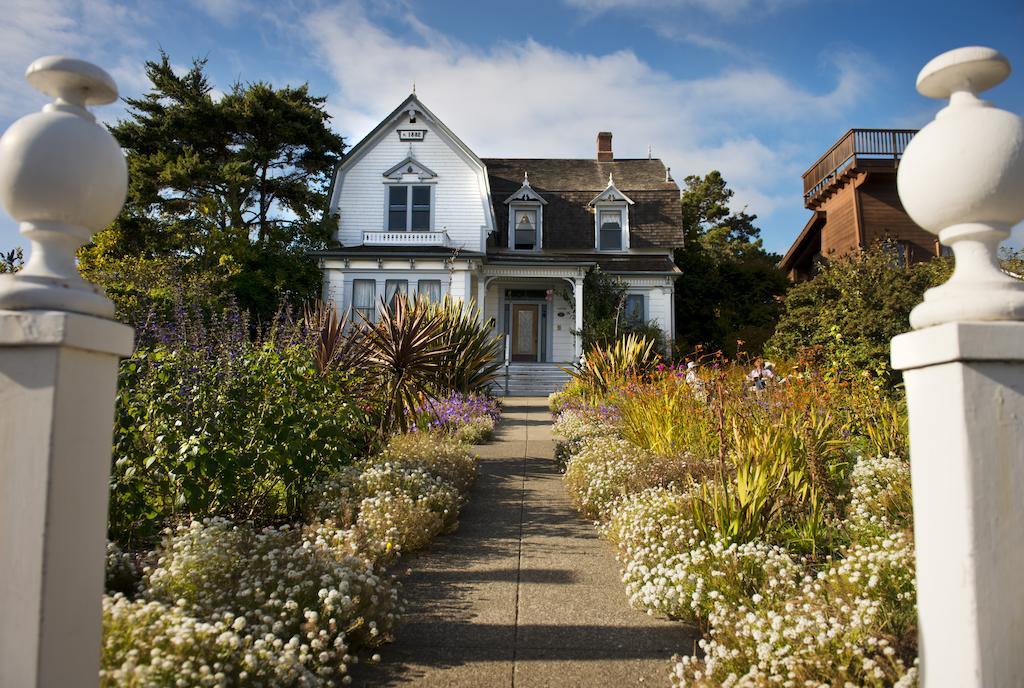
(535, 311)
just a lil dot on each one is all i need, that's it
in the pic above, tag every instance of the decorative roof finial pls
(650, 151)
(610, 182)
(526, 178)
(414, 88)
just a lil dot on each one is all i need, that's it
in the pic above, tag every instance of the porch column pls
(577, 288)
(63, 178)
(481, 296)
(961, 178)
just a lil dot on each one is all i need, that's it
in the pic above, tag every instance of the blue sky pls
(755, 88)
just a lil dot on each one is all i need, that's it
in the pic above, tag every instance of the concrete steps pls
(531, 379)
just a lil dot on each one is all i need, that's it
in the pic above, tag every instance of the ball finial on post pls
(962, 178)
(63, 177)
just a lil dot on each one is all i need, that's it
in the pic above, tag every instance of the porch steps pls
(531, 379)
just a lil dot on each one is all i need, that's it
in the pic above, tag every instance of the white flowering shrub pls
(851, 625)
(405, 509)
(880, 497)
(442, 455)
(336, 498)
(122, 575)
(289, 592)
(475, 431)
(690, 585)
(572, 428)
(606, 469)
(149, 643)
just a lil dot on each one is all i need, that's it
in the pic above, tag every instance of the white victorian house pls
(419, 213)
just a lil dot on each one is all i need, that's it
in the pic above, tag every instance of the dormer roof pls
(610, 194)
(526, 193)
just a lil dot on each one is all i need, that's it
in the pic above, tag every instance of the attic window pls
(526, 230)
(610, 237)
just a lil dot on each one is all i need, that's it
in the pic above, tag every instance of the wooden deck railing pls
(863, 143)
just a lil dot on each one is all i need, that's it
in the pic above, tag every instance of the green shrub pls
(237, 430)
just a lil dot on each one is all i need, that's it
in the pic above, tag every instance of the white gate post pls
(63, 177)
(962, 177)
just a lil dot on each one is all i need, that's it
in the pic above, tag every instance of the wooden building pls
(851, 190)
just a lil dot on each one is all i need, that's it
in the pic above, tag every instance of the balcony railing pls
(405, 238)
(871, 144)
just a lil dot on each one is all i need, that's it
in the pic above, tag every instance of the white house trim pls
(608, 200)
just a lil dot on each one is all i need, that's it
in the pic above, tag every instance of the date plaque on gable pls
(411, 134)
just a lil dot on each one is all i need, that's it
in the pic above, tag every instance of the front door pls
(525, 318)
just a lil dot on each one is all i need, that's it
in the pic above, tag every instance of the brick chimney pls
(604, 146)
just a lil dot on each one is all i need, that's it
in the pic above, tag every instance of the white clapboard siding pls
(461, 206)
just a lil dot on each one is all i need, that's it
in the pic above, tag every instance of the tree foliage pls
(730, 286)
(604, 318)
(853, 307)
(227, 195)
(12, 261)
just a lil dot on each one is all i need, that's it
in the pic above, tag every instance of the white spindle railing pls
(406, 238)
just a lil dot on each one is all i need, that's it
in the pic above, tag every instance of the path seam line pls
(519, 560)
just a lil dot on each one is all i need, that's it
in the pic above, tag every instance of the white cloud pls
(527, 99)
(78, 28)
(727, 9)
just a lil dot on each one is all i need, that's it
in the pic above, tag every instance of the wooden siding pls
(460, 199)
(839, 235)
(885, 218)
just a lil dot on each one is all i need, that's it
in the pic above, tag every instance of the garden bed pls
(777, 521)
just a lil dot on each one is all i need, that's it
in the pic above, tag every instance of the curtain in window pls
(363, 294)
(429, 290)
(392, 288)
(525, 230)
(611, 230)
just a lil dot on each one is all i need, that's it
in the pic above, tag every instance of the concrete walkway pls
(524, 594)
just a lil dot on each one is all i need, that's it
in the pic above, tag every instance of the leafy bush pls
(473, 350)
(880, 497)
(851, 310)
(212, 422)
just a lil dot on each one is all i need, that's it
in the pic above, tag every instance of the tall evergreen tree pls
(226, 195)
(730, 288)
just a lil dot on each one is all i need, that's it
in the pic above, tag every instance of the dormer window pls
(610, 232)
(525, 218)
(526, 230)
(611, 219)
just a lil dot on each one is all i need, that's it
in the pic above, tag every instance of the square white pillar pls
(965, 392)
(58, 380)
(577, 290)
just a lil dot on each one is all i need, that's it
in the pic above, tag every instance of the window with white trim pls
(393, 288)
(364, 295)
(525, 220)
(610, 229)
(430, 290)
(408, 208)
(633, 310)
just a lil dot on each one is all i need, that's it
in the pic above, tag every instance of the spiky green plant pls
(337, 344)
(407, 348)
(604, 367)
(472, 361)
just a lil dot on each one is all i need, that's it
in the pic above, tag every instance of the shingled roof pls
(655, 219)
